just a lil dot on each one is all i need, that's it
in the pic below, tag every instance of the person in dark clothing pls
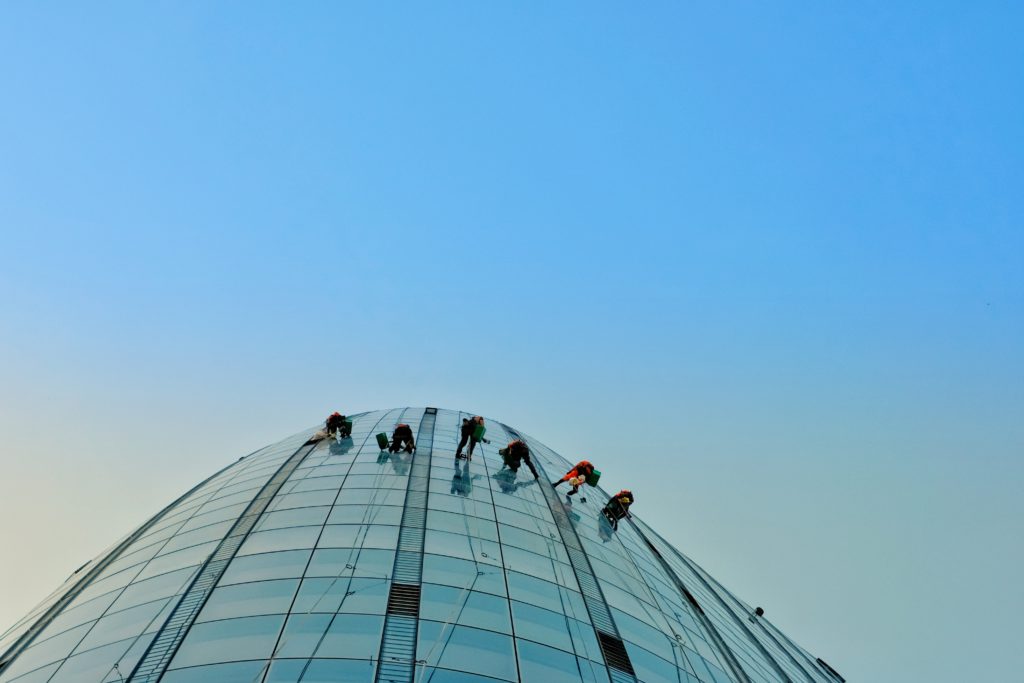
(402, 439)
(515, 454)
(618, 507)
(338, 425)
(576, 477)
(469, 426)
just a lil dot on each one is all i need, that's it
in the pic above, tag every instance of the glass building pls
(329, 560)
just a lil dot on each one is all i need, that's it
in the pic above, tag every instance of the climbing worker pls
(517, 453)
(468, 431)
(338, 424)
(576, 477)
(402, 439)
(618, 507)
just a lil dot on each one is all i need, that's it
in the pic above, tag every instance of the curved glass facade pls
(332, 561)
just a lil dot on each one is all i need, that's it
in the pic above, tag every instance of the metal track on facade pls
(397, 661)
(612, 647)
(163, 647)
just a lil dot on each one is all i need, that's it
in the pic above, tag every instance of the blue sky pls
(773, 252)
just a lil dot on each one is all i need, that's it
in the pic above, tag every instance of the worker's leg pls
(529, 463)
(462, 443)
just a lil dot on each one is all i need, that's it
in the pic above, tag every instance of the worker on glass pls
(576, 477)
(618, 507)
(401, 439)
(338, 426)
(515, 454)
(469, 429)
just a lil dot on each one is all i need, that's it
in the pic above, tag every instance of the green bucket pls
(593, 478)
(478, 433)
(382, 440)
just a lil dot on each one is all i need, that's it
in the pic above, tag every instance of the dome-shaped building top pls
(320, 560)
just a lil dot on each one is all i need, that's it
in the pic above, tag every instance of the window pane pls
(114, 627)
(353, 635)
(249, 599)
(452, 571)
(281, 565)
(343, 594)
(280, 539)
(542, 626)
(235, 672)
(321, 671)
(231, 639)
(540, 663)
(351, 562)
(359, 536)
(470, 608)
(467, 649)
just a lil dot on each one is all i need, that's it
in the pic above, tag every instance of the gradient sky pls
(762, 264)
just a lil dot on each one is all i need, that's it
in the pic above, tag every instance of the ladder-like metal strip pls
(166, 643)
(397, 661)
(612, 647)
(55, 610)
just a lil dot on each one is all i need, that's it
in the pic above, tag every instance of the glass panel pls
(182, 558)
(93, 665)
(310, 516)
(545, 594)
(46, 651)
(466, 607)
(281, 565)
(357, 536)
(249, 599)
(460, 545)
(85, 612)
(321, 671)
(365, 596)
(120, 625)
(332, 635)
(467, 649)
(542, 626)
(451, 571)
(163, 586)
(650, 667)
(432, 674)
(299, 500)
(351, 562)
(540, 663)
(230, 639)
(212, 532)
(365, 514)
(235, 672)
(280, 539)
(39, 675)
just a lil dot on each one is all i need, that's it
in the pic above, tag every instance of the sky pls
(763, 263)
